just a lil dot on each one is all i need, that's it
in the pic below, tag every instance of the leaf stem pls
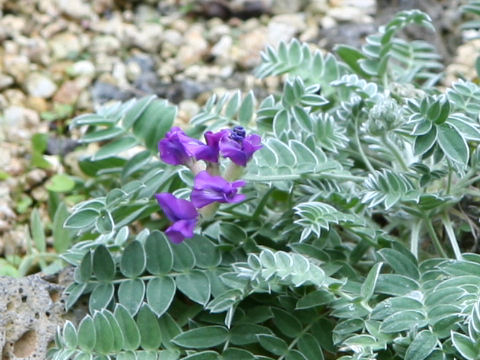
(290, 177)
(360, 148)
(395, 151)
(468, 181)
(414, 240)
(433, 235)
(449, 179)
(294, 341)
(447, 223)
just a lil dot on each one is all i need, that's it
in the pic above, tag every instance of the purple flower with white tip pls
(210, 151)
(183, 215)
(177, 148)
(239, 147)
(208, 189)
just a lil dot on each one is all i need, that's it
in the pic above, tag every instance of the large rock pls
(32, 309)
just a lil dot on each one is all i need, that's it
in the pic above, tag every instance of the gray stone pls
(32, 309)
(60, 146)
(39, 85)
(104, 91)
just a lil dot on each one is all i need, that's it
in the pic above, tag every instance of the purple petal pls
(213, 139)
(238, 183)
(210, 151)
(180, 230)
(177, 148)
(176, 209)
(208, 189)
(236, 198)
(239, 148)
(232, 149)
(203, 180)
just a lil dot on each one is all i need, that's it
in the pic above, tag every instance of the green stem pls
(360, 149)
(209, 211)
(290, 177)
(396, 152)
(468, 181)
(414, 240)
(233, 172)
(294, 341)
(196, 166)
(449, 179)
(473, 192)
(433, 235)
(451, 236)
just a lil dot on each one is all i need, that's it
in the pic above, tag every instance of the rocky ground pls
(61, 58)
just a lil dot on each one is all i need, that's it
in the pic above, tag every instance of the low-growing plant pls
(353, 236)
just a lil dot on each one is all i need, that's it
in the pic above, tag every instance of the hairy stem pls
(449, 179)
(447, 223)
(233, 172)
(396, 152)
(287, 177)
(294, 341)
(414, 240)
(433, 235)
(360, 148)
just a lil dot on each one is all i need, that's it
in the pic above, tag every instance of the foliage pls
(348, 245)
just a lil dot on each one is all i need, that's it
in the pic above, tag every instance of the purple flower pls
(238, 147)
(183, 215)
(177, 148)
(208, 189)
(209, 152)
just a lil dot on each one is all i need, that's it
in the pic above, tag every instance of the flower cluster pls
(209, 187)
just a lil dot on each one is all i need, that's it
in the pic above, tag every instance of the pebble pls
(187, 109)
(194, 49)
(14, 97)
(6, 212)
(40, 85)
(4, 226)
(350, 14)
(147, 38)
(38, 104)
(65, 45)
(222, 48)
(247, 52)
(286, 6)
(82, 68)
(77, 9)
(133, 71)
(17, 66)
(5, 81)
(68, 93)
(40, 194)
(17, 116)
(172, 37)
(35, 177)
(105, 44)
